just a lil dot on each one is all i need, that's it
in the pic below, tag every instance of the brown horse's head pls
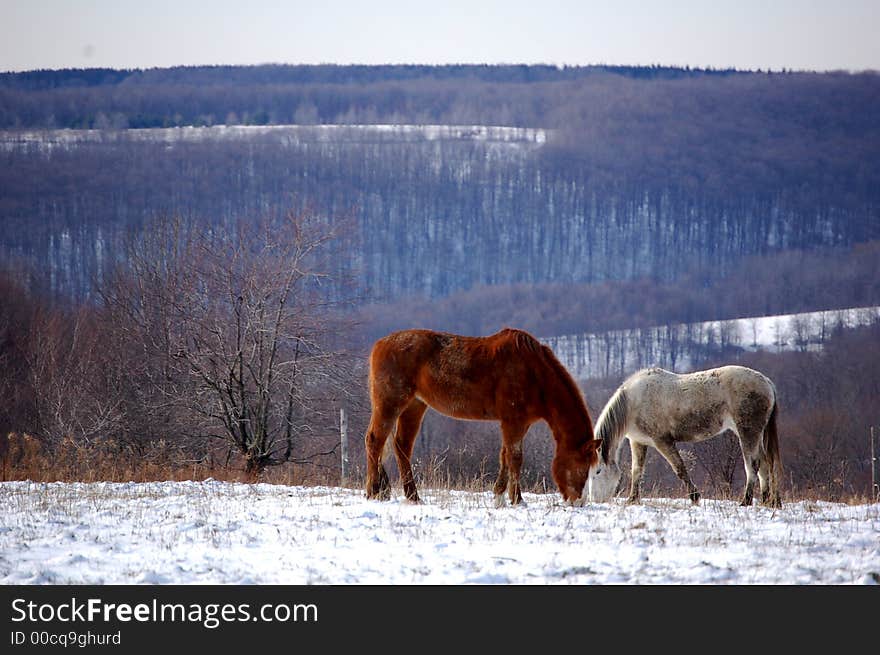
(571, 467)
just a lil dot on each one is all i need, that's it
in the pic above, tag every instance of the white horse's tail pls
(771, 447)
(611, 424)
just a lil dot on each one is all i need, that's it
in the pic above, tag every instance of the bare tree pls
(235, 327)
(799, 329)
(753, 327)
(728, 332)
(672, 338)
(779, 334)
(16, 312)
(77, 390)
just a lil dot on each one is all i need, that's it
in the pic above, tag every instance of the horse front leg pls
(512, 435)
(514, 463)
(503, 477)
(638, 452)
(666, 447)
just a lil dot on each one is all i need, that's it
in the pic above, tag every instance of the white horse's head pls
(603, 480)
(604, 476)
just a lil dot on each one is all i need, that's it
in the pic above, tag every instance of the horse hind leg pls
(751, 420)
(404, 440)
(764, 480)
(751, 465)
(377, 484)
(769, 484)
(752, 462)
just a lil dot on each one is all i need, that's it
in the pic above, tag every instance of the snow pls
(618, 352)
(48, 139)
(231, 533)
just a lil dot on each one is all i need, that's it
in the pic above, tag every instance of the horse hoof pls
(500, 501)
(381, 494)
(768, 500)
(695, 497)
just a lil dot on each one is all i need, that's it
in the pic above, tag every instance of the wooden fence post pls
(875, 491)
(343, 437)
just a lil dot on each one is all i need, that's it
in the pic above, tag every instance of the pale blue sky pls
(745, 34)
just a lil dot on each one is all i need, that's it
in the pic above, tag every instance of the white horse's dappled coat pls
(658, 408)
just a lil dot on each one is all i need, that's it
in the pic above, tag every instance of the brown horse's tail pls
(771, 447)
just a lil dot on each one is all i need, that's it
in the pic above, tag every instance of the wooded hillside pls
(640, 172)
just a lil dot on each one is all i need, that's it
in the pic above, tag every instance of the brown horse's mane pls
(522, 341)
(518, 340)
(569, 385)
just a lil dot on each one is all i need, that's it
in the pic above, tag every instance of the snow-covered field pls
(227, 533)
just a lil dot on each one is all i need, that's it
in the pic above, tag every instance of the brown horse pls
(508, 377)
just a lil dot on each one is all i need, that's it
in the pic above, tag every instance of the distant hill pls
(281, 74)
(619, 173)
(525, 95)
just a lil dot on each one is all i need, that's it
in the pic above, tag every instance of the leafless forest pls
(203, 308)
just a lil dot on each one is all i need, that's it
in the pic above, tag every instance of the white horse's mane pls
(611, 423)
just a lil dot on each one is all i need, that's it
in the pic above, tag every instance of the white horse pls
(655, 407)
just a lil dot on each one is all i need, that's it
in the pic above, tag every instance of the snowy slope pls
(67, 138)
(212, 532)
(621, 352)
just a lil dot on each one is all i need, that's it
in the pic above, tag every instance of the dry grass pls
(22, 457)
